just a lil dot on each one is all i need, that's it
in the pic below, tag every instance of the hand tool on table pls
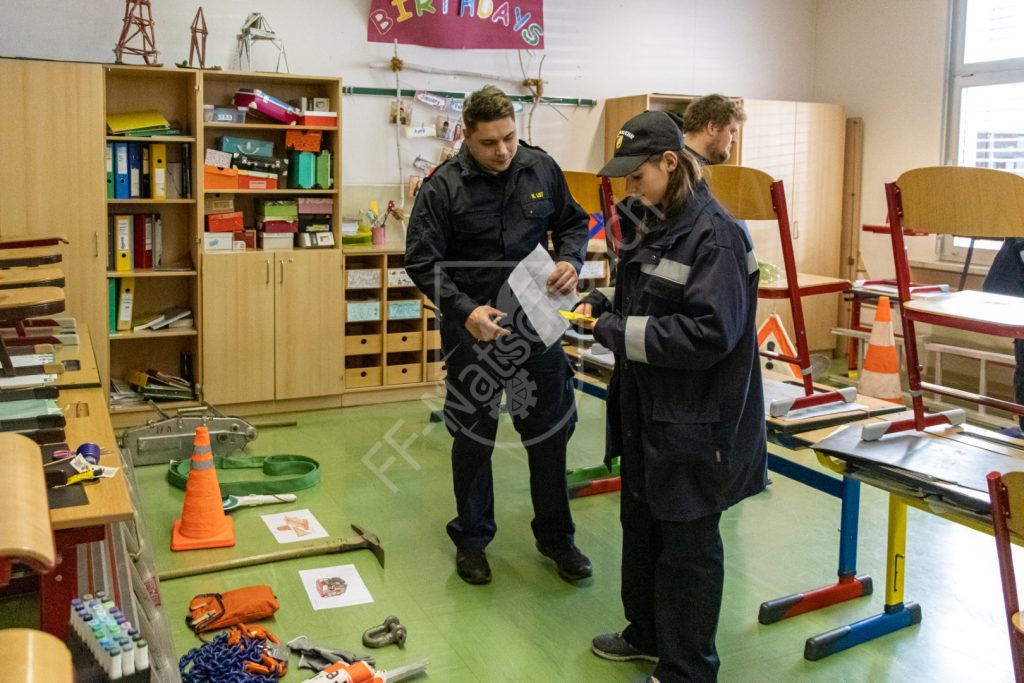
(364, 541)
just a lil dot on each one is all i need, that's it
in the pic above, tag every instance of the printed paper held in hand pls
(529, 282)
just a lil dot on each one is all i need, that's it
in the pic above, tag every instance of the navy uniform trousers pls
(541, 402)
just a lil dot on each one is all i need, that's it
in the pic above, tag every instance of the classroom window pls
(986, 99)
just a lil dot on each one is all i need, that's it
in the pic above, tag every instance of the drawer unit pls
(362, 311)
(433, 339)
(434, 371)
(363, 377)
(356, 344)
(360, 278)
(404, 341)
(404, 309)
(408, 373)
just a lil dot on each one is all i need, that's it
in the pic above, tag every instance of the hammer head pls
(371, 542)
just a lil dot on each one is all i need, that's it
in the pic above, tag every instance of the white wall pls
(885, 60)
(597, 49)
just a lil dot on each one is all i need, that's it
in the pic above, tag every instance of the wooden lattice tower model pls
(198, 47)
(138, 21)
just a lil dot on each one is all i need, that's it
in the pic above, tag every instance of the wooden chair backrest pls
(25, 535)
(585, 189)
(745, 192)
(961, 200)
(31, 656)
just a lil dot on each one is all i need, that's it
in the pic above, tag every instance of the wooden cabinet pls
(52, 175)
(802, 144)
(272, 325)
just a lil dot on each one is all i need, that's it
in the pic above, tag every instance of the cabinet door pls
(52, 174)
(308, 321)
(238, 327)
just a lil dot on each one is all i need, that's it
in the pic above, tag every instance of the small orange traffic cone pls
(203, 523)
(880, 376)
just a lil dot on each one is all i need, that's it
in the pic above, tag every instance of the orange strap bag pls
(212, 611)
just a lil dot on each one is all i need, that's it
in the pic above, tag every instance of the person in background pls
(711, 125)
(1006, 276)
(685, 408)
(474, 219)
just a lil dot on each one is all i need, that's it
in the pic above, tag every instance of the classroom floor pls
(529, 625)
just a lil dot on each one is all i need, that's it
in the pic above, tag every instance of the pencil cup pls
(377, 236)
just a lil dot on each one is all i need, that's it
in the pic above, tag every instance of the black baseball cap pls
(643, 135)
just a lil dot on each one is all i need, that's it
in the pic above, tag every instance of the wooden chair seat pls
(29, 256)
(45, 276)
(31, 656)
(30, 302)
(23, 240)
(25, 535)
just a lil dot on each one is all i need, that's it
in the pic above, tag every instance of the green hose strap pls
(299, 472)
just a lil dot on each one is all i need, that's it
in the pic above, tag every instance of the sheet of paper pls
(529, 283)
(297, 525)
(332, 587)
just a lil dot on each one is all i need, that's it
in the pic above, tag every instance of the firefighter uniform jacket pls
(685, 405)
(469, 228)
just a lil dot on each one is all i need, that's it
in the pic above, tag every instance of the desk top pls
(998, 310)
(863, 407)
(87, 376)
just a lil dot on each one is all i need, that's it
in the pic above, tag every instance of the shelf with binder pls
(152, 241)
(265, 126)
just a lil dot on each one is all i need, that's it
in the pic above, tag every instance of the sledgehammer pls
(365, 539)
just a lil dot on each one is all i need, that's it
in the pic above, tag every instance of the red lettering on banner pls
(501, 14)
(381, 20)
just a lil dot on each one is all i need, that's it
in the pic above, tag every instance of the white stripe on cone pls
(881, 353)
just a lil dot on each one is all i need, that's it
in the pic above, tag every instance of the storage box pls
(255, 180)
(212, 114)
(315, 103)
(314, 240)
(318, 118)
(362, 311)
(215, 157)
(279, 208)
(217, 178)
(247, 237)
(250, 162)
(218, 241)
(324, 171)
(301, 170)
(403, 309)
(403, 341)
(276, 225)
(314, 222)
(219, 203)
(304, 140)
(397, 277)
(266, 105)
(249, 146)
(321, 205)
(224, 222)
(363, 278)
(275, 241)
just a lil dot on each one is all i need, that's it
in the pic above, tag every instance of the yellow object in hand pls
(574, 317)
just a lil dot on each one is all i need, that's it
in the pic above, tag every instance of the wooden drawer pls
(433, 339)
(362, 377)
(404, 341)
(356, 344)
(434, 372)
(405, 374)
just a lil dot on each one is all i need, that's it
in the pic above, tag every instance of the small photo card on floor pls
(332, 587)
(297, 525)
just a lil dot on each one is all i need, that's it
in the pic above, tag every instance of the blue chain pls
(218, 662)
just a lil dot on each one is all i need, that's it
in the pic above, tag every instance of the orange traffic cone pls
(880, 376)
(203, 523)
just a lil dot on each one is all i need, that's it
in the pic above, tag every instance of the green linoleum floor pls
(529, 625)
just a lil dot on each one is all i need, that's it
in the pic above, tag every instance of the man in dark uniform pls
(475, 218)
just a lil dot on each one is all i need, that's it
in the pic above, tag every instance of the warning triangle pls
(771, 336)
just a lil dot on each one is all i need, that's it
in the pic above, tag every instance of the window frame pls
(967, 75)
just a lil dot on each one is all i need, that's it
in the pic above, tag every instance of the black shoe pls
(614, 647)
(572, 564)
(471, 564)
